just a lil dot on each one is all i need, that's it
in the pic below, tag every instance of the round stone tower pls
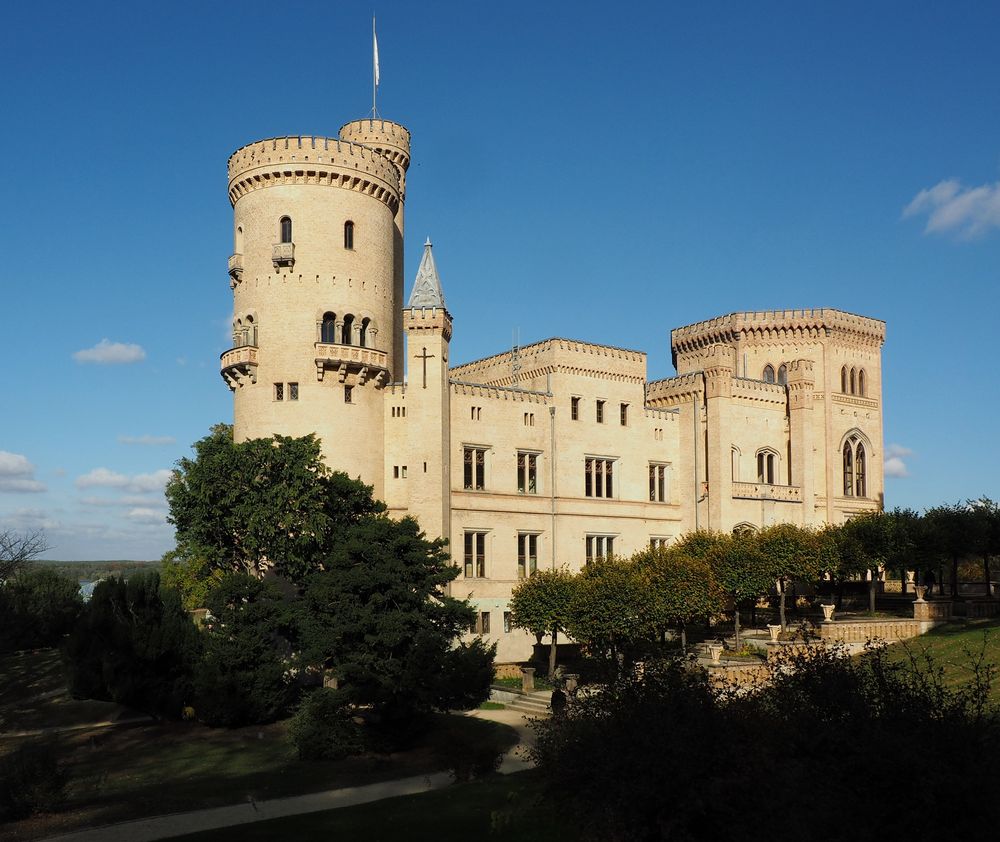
(316, 273)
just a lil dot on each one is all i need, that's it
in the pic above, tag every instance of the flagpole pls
(374, 68)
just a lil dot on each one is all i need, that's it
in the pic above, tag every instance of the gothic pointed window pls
(363, 337)
(768, 374)
(848, 469)
(860, 481)
(783, 375)
(843, 380)
(861, 382)
(347, 329)
(286, 229)
(854, 381)
(328, 330)
(766, 464)
(348, 235)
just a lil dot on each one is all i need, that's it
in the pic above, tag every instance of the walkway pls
(178, 824)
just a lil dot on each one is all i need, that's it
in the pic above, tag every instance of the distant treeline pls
(93, 570)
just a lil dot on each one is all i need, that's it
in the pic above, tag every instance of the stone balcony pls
(283, 254)
(239, 366)
(360, 364)
(235, 268)
(763, 491)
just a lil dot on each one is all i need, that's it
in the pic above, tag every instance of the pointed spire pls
(427, 287)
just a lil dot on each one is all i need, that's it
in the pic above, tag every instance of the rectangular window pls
(600, 412)
(279, 391)
(599, 547)
(529, 419)
(506, 622)
(293, 391)
(658, 483)
(658, 542)
(476, 413)
(484, 622)
(574, 409)
(624, 414)
(348, 394)
(475, 468)
(765, 468)
(395, 471)
(475, 555)
(402, 472)
(527, 554)
(527, 473)
(598, 478)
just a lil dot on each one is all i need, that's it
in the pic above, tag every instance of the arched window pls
(286, 229)
(768, 374)
(783, 375)
(861, 382)
(328, 330)
(766, 463)
(363, 337)
(843, 380)
(860, 481)
(250, 332)
(848, 469)
(239, 239)
(736, 464)
(347, 330)
(854, 381)
(348, 235)
(238, 333)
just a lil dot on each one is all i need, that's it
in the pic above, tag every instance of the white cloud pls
(17, 474)
(146, 500)
(142, 514)
(151, 441)
(107, 352)
(967, 212)
(137, 483)
(894, 464)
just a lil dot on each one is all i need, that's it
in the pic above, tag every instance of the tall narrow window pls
(347, 330)
(736, 465)
(527, 473)
(363, 336)
(598, 479)
(527, 554)
(600, 412)
(279, 391)
(286, 229)
(293, 391)
(658, 483)
(623, 414)
(765, 467)
(475, 468)
(860, 481)
(239, 239)
(861, 382)
(574, 409)
(475, 555)
(484, 622)
(599, 547)
(348, 235)
(768, 374)
(348, 394)
(843, 380)
(783, 375)
(250, 332)
(507, 622)
(854, 381)
(848, 469)
(328, 330)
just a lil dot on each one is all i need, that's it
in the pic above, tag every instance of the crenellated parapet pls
(778, 327)
(672, 391)
(321, 161)
(388, 139)
(436, 319)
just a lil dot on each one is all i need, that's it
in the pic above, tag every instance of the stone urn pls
(715, 652)
(920, 591)
(828, 613)
(775, 631)
(572, 681)
(527, 679)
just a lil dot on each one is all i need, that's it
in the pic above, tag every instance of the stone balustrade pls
(239, 365)
(283, 254)
(860, 631)
(236, 267)
(763, 491)
(363, 364)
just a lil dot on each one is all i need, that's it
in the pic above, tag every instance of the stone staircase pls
(530, 704)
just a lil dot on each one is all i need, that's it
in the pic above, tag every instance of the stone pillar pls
(528, 679)
(800, 433)
(719, 373)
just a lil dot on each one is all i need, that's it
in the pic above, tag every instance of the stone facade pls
(542, 456)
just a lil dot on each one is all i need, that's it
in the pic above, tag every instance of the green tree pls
(984, 523)
(243, 676)
(866, 547)
(681, 586)
(949, 533)
(263, 503)
(742, 572)
(541, 603)
(134, 644)
(188, 571)
(790, 552)
(37, 609)
(612, 611)
(378, 614)
(18, 550)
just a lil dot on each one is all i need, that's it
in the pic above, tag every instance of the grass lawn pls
(502, 806)
(953, 647)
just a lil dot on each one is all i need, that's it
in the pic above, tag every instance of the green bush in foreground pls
(324, 727)
(37, 609)
(31, 781)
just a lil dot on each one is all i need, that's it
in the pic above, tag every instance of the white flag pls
(375, 50)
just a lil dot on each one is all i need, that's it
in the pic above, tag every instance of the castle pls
(548, 455)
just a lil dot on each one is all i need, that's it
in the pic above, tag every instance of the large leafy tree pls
(681, 586)
(378, 614)
(37, 609)
(790, 552)
(541, 604)
(263, 503)
(984, 523)
(740, 569)
(949, 533)
(866, 547)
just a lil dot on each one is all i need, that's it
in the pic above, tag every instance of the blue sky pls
(598, 172)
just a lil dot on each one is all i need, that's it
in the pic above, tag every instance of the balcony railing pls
(364, 363)
(236, 267)
(763, 491)
(283, 254)
(239, 365)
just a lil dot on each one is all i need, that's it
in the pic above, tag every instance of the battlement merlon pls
(305, 159)
(774, 325)
(556, 355)
(389, 139)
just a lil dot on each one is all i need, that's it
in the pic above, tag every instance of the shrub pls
(31, 781)
(324, 727)
(37, 609)
(468, 756)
